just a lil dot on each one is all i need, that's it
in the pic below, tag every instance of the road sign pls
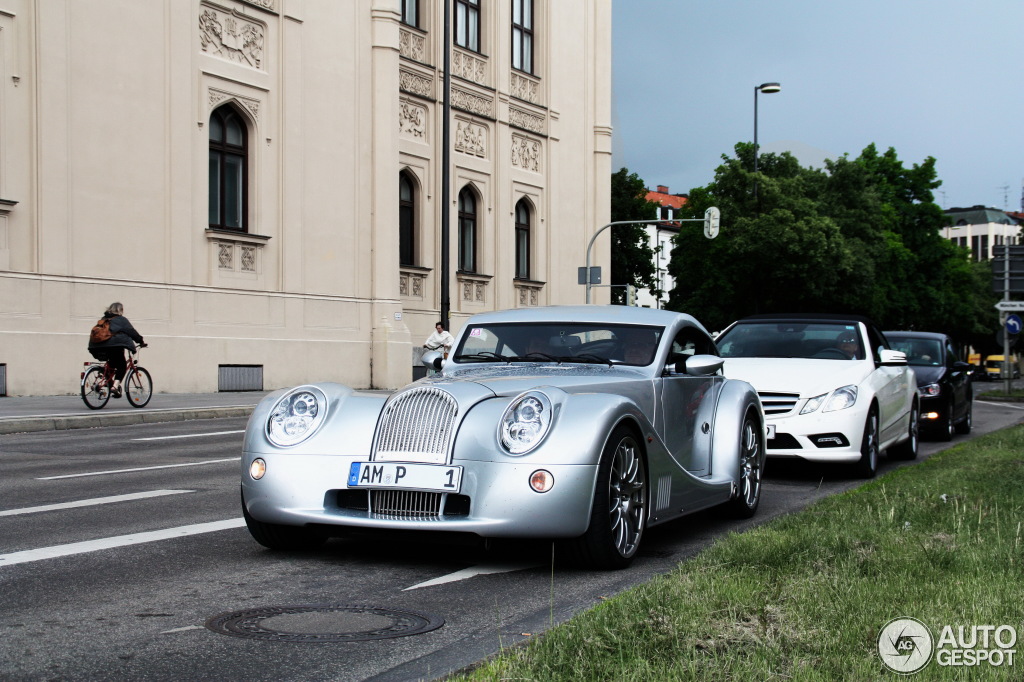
(595, 275)
(1008, 306)
(712, 219)
(1013, 324)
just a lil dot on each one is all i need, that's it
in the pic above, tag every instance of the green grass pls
(1001, 393)
(805, 596)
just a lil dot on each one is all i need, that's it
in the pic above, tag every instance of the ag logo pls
(905, 645)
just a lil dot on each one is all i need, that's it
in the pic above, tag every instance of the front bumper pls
(819, 436)
(496, 498)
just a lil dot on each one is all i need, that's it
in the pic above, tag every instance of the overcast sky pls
(941, 78)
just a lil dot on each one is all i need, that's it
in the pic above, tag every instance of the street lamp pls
(766, 88)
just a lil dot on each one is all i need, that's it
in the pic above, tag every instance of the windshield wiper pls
(593, 359)
(486, 356)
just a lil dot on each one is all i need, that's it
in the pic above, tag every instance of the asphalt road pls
(118, 544)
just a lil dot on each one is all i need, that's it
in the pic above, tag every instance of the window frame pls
(467, 21)
(225, 114)
(406, 221)
(523, 36)
(522, 239)
(468, 232)
(410, 7)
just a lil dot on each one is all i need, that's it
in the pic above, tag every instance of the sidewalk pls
(58, 412)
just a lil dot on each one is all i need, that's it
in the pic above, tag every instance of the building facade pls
(659, 237)
(979, 229)
(259, 181)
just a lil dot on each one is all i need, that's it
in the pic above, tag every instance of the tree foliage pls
(859, 236)
(632, 255)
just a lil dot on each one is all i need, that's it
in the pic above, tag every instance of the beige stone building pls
(259, 181)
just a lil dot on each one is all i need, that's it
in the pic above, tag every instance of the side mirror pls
(699, 365)
(961, 366)
(432, 360)
(891, 358)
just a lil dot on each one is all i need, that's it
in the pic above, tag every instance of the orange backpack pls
(100, 331)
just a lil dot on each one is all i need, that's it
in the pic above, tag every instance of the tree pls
(632, 255)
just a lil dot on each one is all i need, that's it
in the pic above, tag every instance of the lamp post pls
(766, 88)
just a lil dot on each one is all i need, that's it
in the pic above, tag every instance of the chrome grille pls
(417, 426)
(778, 403)
(405, 503)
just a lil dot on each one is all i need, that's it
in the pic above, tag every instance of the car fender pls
(735, 398)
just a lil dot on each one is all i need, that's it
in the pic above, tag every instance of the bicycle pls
(98, 380)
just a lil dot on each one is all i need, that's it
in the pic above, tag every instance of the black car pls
(943, 382)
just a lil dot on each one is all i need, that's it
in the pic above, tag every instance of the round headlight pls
(296, 416)
(525, 422)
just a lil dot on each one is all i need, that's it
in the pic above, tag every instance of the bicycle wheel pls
(138, 387)
(95, 391)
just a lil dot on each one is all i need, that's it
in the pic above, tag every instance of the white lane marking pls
(117, 541)
(127, 471)
(93, 501)
(467, 573)
(184, 629)
(192, 435)
(1009, 405)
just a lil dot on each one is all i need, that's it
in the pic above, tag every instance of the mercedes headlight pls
(525, 423)
(296, 416)
(929, 390)
(839, 399)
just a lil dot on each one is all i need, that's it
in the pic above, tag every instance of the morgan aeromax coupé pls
(584, 425)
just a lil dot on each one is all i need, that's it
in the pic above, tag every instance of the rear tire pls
(275, 536)
(138, 386)
(964, 427)
(751, 466)
(907, 450)
(867, 467)
(619, 514)
(95, 392)
(946, 432)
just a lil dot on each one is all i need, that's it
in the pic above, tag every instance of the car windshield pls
(920, 352)
(559, 342)
(818, 340)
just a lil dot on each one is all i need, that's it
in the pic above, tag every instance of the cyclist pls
(122, 337)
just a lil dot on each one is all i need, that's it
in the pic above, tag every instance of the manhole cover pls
(323, 623)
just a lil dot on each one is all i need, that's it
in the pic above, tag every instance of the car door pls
(891, 388)
(959, 381)
(688, 404)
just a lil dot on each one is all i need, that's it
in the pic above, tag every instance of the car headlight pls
(525, 423)
(296, 416)
(929, 390)
(839, 399)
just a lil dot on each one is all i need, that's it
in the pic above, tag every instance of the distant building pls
(979, 229)
(660, 239)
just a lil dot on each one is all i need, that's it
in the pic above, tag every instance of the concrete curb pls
(139, 416)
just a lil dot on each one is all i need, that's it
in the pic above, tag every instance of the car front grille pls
(417, 426)
(778, 403)
(405, 503)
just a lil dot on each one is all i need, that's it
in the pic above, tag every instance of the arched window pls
(467, 231)
(406, 220)
(229, 144)
(522, 240)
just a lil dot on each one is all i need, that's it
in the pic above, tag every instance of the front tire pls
(964, 427)
(907, 450)
(95, 392)
(138, 386)
(751, 464)
(867, 467)
(275, 536)
(619, 514)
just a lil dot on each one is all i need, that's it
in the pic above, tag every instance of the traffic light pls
(630, 294)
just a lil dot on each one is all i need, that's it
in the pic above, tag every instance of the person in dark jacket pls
(123, 337)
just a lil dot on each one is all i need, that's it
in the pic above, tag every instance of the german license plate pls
(405, 476)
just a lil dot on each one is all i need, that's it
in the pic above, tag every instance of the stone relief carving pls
(526, 153)
(415, 83)
(215, 97)
(263, 4)
(524, 88)
(469, 138)
(474, 104)
(526, 120)
(225, 256)
(248, 259)
(470, 67)
(412, 120)
(411, 284)
(411, 45)
(231, 38)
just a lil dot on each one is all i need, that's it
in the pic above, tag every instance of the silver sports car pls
(585, 424)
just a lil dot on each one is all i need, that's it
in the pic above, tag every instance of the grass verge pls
(804, 597)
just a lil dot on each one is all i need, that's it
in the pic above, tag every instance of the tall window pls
(411, 13)
(467, 24)
(406, 221)
(228, 163)
(522, 35)
(522, 240)
(467, 231)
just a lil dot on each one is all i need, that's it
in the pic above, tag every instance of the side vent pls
(240, 378)
(664, 492)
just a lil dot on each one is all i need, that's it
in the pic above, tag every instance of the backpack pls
(100, 331)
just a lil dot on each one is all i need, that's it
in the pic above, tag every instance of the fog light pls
(930, 415)
(257, 469)
(541, 481)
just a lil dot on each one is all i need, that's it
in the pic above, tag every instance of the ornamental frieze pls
(470, 67)
(526, 120)
(469, 138)
(524, 88)
(231, 38)
(526, 153)
(412, 120)
(416, 84)
(411, 45)
(263, 4)
(215, 97)
(474, 104)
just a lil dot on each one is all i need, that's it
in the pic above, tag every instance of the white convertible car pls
(832, 389)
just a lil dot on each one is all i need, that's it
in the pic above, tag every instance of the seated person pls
(847, 343)
(538, 344)
(638, 346)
